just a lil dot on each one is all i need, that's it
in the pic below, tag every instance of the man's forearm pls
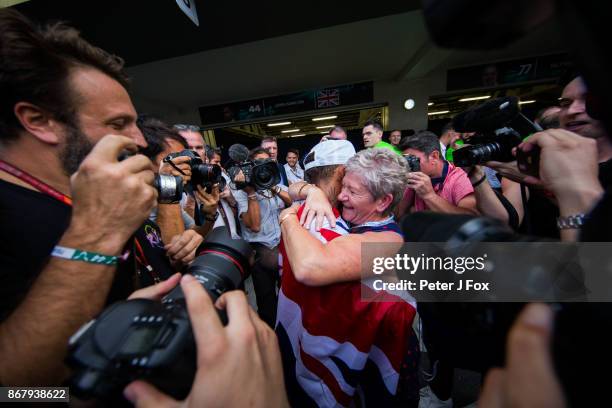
(170, 221)
(286, 199)
(488, 204)
(252, 218)
(65, 295)
(436, 203)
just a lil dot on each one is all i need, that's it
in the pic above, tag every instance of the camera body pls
(202, 174)
(259, 174)
(499, 127)
(488, 146)
(150, 340)
(413, 163)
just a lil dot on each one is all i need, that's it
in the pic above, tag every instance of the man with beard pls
(68, 207)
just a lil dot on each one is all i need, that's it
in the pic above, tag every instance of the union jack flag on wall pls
(328, 97)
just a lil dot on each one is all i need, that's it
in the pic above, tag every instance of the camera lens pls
(169, 188)
(222, 263)
(265, 175)
(205, 173)
(478, 154)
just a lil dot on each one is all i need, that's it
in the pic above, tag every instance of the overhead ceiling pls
(244, 50)
(143, 31)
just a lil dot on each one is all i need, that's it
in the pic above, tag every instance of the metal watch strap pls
(571, 221)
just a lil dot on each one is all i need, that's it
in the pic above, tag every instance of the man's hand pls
(510, 171)
(182, 162)
(528, 380)
(182, 247)
(157, 291)
(317, 206)
(238, 365)
(112, 198)
(568, 163)
(421, 184)
(209, 202)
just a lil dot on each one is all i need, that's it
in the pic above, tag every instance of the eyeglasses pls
(187, 127)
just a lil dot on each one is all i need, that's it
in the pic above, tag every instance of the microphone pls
(238, 152)
(487, 116)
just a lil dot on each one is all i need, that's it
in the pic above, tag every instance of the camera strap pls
(34, 182)
(174, 166)
(439, 181)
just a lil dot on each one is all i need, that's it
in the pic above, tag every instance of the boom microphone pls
(238, 152)
(487, 116)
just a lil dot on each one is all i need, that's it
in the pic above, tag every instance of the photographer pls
(226, 208)
(174, 223)
(60, 97)
(258, 212)
(439, 186)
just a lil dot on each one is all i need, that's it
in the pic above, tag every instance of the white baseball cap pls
(329, 153)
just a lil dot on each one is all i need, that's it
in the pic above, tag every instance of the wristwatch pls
(571, 221)
(213, 218)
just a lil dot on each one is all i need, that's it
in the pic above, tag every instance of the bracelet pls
(73, 254)
(571, 221)
(301, 188)
(479, 182)
(285, 217)
(252, 197)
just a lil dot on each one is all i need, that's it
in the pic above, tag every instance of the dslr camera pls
(259, 174)
(499, 127)
(413, 163)
(151, 340)
(202, 174)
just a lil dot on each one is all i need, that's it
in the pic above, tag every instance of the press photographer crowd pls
(138, 266)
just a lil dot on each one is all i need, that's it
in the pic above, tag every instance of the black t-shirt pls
(32, 223)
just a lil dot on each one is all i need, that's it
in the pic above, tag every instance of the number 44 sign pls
(189, 8)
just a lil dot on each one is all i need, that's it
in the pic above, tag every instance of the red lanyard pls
(140, 257)
(34, 182)
(43, 188)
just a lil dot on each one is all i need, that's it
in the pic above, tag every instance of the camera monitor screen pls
(140, 340)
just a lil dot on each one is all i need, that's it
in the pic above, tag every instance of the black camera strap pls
(439, 181)
(174, 166)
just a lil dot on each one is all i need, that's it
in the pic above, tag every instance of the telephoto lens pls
(150, 340)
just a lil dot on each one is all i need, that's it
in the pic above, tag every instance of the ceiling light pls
(324, 133)
(279, 124)
(437, 113)
(301, 134)
(290, 131)
(409, 104)
(475, 98)
(526, 102)
(430, 104)
(325, 127)
(324, 118)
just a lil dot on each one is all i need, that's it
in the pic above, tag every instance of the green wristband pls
(83, 256)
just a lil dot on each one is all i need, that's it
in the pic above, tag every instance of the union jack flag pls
(328, 97)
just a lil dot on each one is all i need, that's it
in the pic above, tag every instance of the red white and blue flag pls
(328, 98)
(335, 346)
